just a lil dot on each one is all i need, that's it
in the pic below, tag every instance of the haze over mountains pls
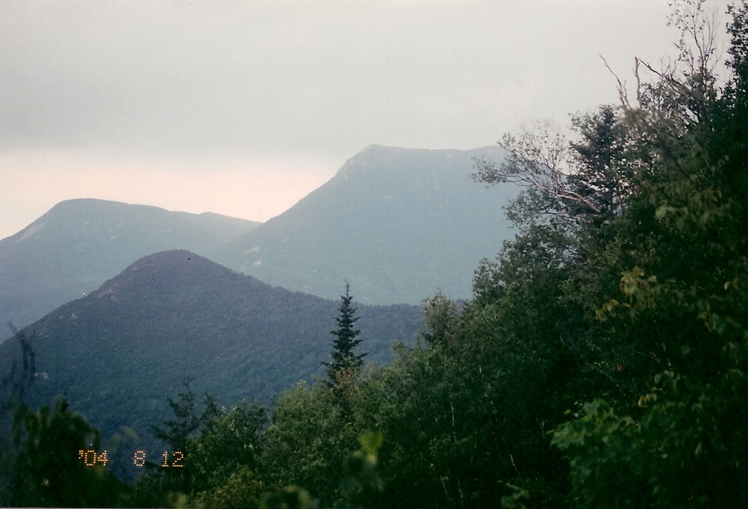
(118, 352)
(79, 244)
(397, 223)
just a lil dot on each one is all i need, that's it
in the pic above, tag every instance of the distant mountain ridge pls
(81, 243)
(397, 223)
(121, 350)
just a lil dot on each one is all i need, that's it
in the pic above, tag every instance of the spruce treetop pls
(346, 339)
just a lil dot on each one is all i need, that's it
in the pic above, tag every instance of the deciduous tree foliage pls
(50, 470)
(601, 361)
(622, 298)
(221, 451)
(681, 305)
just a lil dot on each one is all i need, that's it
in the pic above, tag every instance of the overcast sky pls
(243, 107)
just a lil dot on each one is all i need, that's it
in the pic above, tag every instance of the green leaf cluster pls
(601, 362)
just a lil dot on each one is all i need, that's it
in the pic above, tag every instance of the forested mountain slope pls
(79, 244)
(397, 223)
(602, 362)
(119, 352)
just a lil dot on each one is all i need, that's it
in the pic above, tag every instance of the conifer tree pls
(344, 362)
(186, 421)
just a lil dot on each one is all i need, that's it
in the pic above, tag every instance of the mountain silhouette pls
(399, 224)
(121, 350)
(79, 244)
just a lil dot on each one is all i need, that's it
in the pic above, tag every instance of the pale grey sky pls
(243, 107)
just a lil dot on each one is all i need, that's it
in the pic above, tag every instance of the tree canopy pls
(600, 363)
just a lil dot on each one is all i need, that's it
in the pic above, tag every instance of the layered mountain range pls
(121, 350)
(398, 224)
(126, 302)
(79, 244)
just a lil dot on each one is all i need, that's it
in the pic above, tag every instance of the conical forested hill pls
(79, 244)
(119, 352)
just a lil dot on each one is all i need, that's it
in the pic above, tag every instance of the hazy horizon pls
(244, 108)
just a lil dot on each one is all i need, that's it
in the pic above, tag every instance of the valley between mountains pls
(122, 302)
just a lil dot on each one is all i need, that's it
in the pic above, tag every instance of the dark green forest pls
(118, 352)
(600, 363)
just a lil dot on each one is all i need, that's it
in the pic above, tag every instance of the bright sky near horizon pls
(244, 107)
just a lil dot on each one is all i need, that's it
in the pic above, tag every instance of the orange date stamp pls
(91, 458)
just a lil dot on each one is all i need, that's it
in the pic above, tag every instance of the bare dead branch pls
(539, 158)
(622, 93)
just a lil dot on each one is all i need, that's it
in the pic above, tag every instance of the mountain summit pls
(121, 350)
(398, 224)
(81, 243)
